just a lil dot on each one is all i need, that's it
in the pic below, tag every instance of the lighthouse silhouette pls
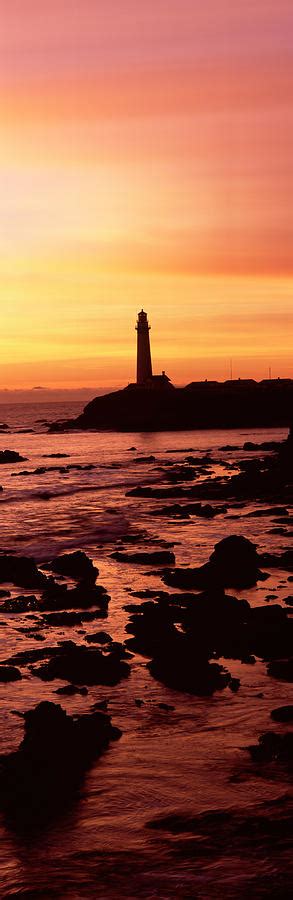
(144, 360)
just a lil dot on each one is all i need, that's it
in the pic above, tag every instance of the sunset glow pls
(145, 160)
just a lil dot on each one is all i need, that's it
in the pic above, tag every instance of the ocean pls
(191, 758)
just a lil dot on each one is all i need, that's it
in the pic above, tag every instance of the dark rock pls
(41, 777)
(177, 667)
(265, 445)
(157, 557)
(144, 459)
(273, 511)
(267, 615)
(77, 565)
(86, 594)
(181, 473)
(282, 714)
(167, 707)
(281, 668)
(234, 685)
(68, 619)
(56, 455)
(277, 561)
(99, 637)
(230, 447)
(24, 657)
(21, 571)
(234, 563)
(9, 673)
(85, 665)
(69, 690)
(101, 704)
(10, 456)
(20, 604)
(273, 747)
(190, 509)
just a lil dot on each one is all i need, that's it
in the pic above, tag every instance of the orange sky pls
(145, 160)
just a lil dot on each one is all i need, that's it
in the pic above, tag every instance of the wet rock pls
(190, 509)
(144, 459)
(161, 493)
(178, 668)
(21, 571)
(77, 565)
(86, 594)
(68, 619)
(265, 445)
(20, 604)
(24, 657)
(99, 637)
(9, 673)
(281, 668)
(280, 531)
(282, 714)
(157, 557)
(273, 747)
(181, 473)
(101, 704)
(234, 563)
(69, 690)
(230, 447)
(183, 450)
(63, 470)
(41, 777)
(146, 594)
(234, 685)
(267, 615)
(10, 456)
(272, 511)
(277, 561)
(85, 665)
(56, 455)
(167, 707)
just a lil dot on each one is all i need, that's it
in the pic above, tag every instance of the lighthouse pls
(144, 360)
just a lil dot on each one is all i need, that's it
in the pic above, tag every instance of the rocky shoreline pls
(187, 631)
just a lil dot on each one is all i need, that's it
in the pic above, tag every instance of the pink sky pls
(145, 159)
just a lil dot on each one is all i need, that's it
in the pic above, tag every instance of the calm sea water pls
(179, 761)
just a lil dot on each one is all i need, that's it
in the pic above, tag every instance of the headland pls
(204, 404)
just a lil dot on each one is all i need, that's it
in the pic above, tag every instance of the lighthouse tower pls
(144, 361)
